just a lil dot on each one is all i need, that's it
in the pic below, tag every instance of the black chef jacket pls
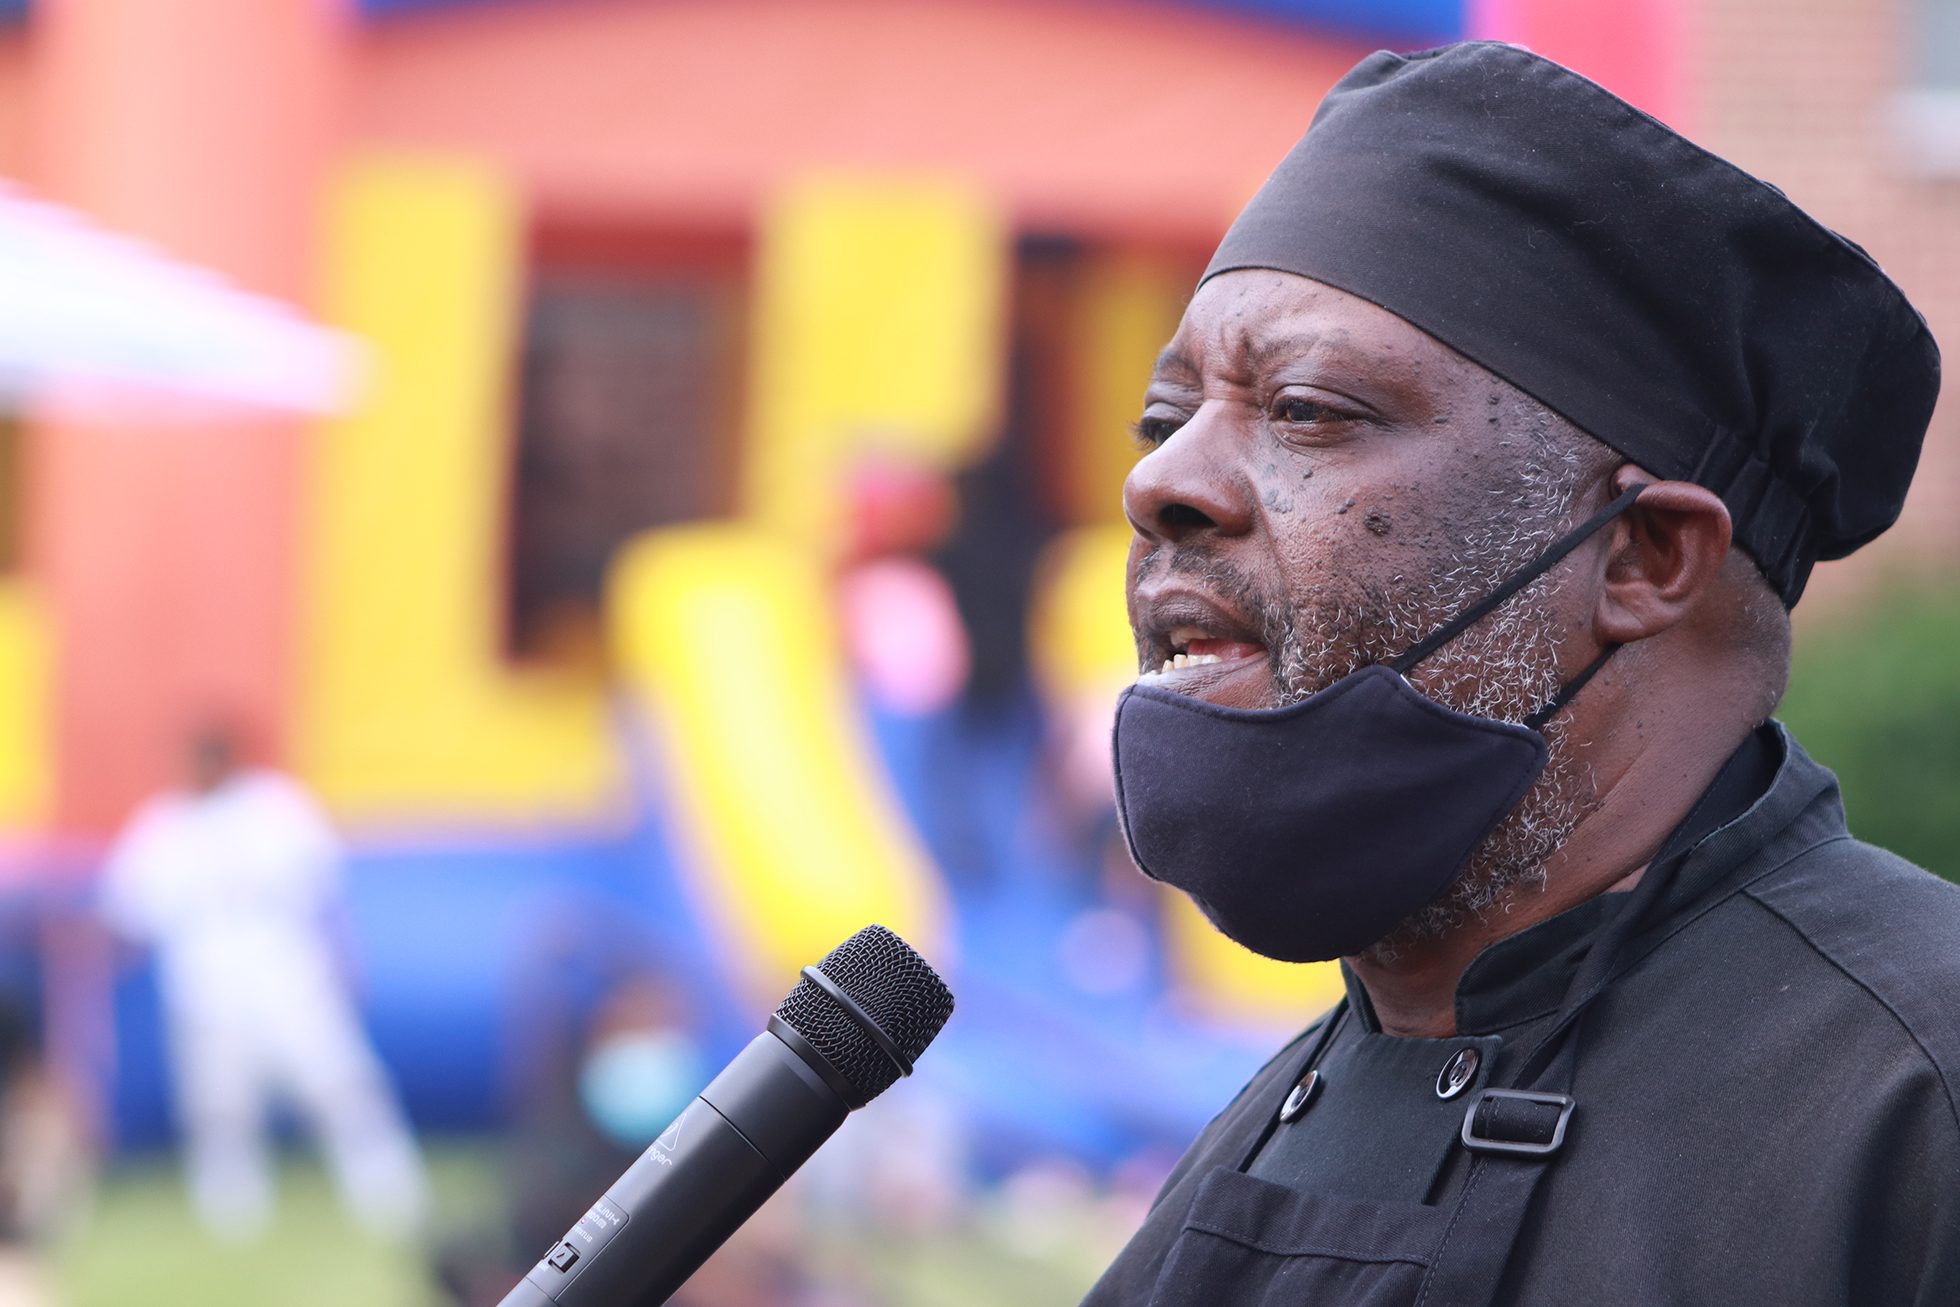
(1767, 1099)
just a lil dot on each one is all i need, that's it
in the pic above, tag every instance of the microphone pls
(852, 1026)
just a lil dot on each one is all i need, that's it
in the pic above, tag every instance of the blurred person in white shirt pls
(233, 880)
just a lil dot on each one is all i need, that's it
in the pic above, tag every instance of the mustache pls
(1234, 586)
(1312, 640)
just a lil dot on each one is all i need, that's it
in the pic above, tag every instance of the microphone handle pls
(695, 1185)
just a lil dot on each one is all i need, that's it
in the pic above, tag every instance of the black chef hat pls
(1670, 304)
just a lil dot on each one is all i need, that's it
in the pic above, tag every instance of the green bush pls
(1875, 696)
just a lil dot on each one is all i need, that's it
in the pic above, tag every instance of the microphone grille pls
(893, 985)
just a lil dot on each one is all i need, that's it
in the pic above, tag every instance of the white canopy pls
(80, 304)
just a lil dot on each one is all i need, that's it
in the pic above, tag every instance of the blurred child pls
(232, 880)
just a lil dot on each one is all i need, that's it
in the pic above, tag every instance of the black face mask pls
(1308, 832)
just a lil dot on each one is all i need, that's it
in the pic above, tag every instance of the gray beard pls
(1505, 667)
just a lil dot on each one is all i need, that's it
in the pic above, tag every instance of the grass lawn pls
(141, 1246)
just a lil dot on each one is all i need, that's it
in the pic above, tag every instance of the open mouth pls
(1198, 655)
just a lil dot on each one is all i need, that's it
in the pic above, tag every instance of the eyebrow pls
(1328, 353)
(1263, 353)
(1171, 360)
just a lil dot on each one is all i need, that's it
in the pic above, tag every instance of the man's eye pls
(1298, 408)
(1151, 431)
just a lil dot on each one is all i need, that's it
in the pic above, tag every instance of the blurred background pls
(574, 506)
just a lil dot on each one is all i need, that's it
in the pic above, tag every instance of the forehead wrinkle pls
(1241, 354)
(1249, 328)
(1263, 354)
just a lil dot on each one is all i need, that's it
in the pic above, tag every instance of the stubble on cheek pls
(1504, 668)
(1511, 859)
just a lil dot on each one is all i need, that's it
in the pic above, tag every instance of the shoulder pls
(1879, 918)
(265, 783)
(156, 816)
(167, 805)
(265, 790)
(1888, 929)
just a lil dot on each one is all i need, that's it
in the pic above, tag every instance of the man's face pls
(1326, 486)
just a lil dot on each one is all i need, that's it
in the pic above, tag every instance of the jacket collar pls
(1742, 828)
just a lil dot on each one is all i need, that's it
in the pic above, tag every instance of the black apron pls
(1252, 1240)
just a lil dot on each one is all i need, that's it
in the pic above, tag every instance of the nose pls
(1189, 485)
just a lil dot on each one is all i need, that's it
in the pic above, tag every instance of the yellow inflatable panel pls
(407, 705)
(1129, 307)
(726, 635)
(877, 327)
(1079, 639)
(26, 695)
(1232, 984)
(1081, 647)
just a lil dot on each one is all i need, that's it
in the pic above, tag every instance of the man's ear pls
(1663, 557)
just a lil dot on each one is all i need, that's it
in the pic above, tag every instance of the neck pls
(1413, 988)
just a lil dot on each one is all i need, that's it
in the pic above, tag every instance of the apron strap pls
(1515, 1135)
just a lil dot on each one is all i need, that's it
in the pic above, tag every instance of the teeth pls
(1179, 662)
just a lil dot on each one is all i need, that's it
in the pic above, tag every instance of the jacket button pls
(1303, 1094)
(1457, 1073)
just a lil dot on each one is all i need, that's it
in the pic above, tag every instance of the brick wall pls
(1802, 93)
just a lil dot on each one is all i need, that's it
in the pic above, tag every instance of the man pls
(232, 879)
(1489, 455)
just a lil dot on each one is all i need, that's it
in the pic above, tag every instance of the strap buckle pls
(1515, 1122)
